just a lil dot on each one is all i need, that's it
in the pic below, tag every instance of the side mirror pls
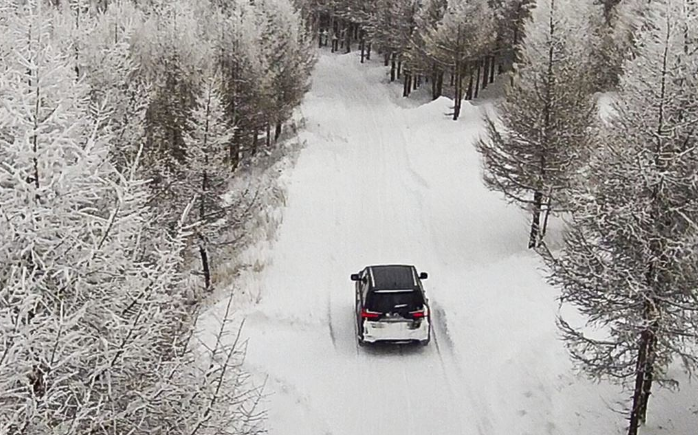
(354, 276)
(423, 275)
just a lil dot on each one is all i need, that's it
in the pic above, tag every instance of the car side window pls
(364, 283)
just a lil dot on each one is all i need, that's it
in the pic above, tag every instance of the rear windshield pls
(394, 302)
(393, 277)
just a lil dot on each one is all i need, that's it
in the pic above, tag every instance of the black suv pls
(391, 305)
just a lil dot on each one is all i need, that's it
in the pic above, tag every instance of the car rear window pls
(393, 277)
(394, 302)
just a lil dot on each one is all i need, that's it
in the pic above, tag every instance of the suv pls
(391, 305)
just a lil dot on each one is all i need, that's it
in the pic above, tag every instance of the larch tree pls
(540, 136)
(286, 48)
(427, 20)
(463, 35)
(95, 323)
(206, 170)
(628, 262)
(242, 67)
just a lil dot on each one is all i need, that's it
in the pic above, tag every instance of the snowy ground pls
(388, 180)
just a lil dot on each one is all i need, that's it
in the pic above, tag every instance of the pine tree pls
(628, 262)
(533, 155)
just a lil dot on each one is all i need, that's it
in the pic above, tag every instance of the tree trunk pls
(534, 238)
(494, 61)
(440, 84)
(469, 95)
(486, 73)
(386, 59)
(348, 38)
(548, 204)
(368, 52)
(393, 67)
(202, 217)
(234, 151)
(399, 70)
(406, 86)
(204, 263)
(332, 32)
(268, 139)
(643, 381)
(476, 91)
(458, 97)
(277, 131)
(434, 84)
(362, 46)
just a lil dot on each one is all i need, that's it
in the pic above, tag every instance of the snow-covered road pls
(386, 180)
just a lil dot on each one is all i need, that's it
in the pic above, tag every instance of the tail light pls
(370, 315)
(418, 314)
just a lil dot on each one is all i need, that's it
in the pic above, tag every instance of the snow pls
(384, 181)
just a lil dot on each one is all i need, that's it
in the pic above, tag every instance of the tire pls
(360, 340)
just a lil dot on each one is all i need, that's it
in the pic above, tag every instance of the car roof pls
(393, 277)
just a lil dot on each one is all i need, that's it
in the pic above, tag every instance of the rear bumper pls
(396, 331)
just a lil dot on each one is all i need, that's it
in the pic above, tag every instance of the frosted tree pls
(168, 51)
(614, 39)
(463, 35)
(244, 83)
(428, 17)
(109, 67)
(628, 263)
(286, 47)
(95, 324)
(390, 28)
(70, 256)
(206, 171)
(511, 17)
(541, 135)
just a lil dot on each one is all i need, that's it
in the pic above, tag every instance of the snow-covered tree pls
(628, 263)
(539, 140)
(511, 17)
(286, 47)
(428, 17)
(95, 324)
(462, 37)
(206, 170)
(244, 79)
(390, 28)
(113, 74)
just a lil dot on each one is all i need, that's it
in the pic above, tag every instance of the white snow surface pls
(384, 179)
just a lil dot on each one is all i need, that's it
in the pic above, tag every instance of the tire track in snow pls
(333, 337)
(484, 425)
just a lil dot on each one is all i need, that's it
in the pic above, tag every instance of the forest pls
(124, 124)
